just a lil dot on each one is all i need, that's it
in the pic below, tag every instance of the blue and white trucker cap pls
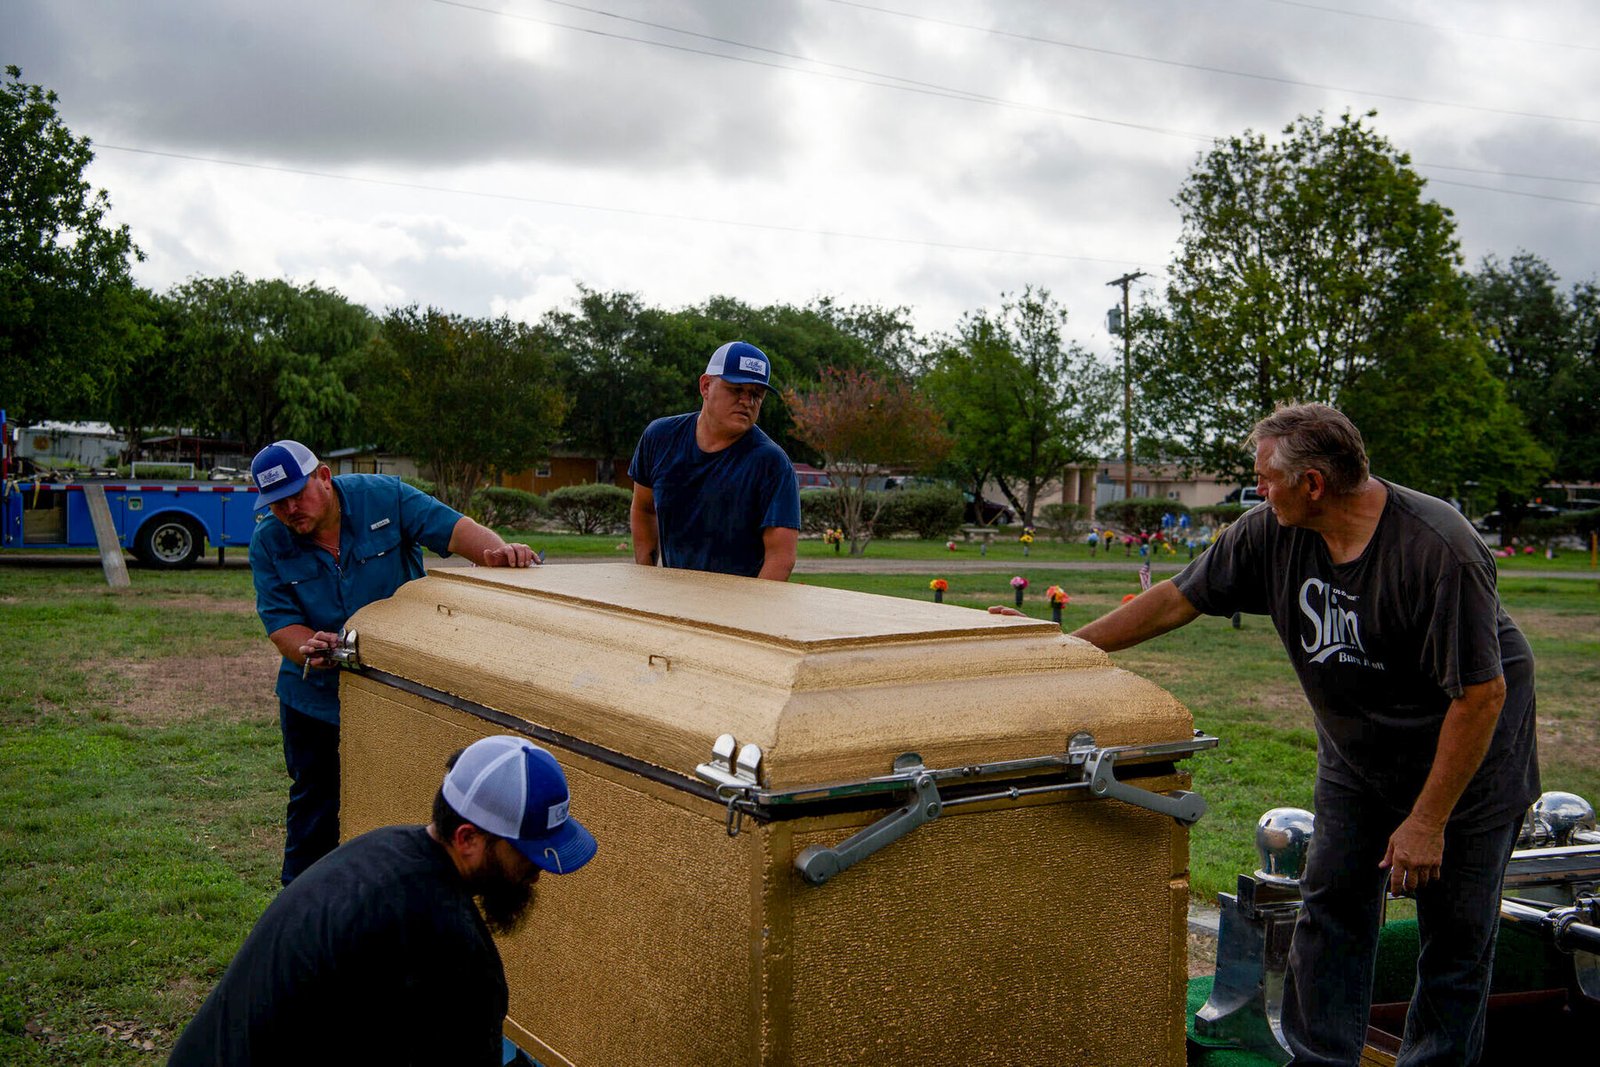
(514, 789)
(741, 363)
(281, 470)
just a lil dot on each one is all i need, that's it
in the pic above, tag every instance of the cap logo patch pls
(753, 365)
(558, 814)
(271, 476)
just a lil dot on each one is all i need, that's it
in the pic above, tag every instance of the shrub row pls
(1570, 524)
(929, 512)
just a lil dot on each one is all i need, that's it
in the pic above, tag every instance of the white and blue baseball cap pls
(514, 789)
(741, 363)
(280, 470)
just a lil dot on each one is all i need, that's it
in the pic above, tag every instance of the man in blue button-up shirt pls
(332, 546)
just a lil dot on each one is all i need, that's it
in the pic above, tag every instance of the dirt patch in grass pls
(1547, 623)
(232, 686)
(1202, 954)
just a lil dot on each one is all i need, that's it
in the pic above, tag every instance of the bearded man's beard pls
(504, 898)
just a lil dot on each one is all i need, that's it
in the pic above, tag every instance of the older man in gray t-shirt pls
(1423, 692)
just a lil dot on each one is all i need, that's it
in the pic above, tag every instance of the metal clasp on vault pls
(1084, 765)
(818, 863)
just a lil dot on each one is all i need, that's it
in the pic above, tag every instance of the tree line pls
(1310, 267)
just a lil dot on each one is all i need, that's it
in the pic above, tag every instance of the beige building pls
(1093, 484)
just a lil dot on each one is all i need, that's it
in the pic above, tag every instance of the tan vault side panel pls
(1030, 934)
(613, 960)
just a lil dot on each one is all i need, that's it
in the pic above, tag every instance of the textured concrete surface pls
(1050, 929)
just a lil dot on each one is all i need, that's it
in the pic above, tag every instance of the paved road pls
(237, 559)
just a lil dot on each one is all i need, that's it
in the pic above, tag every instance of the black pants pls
(311, 756)
(1328, 991)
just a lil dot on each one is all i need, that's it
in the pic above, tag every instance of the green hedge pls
(929, 512)
(591, 508)
(1218, 514)
(1569, 524)
(819, 510)
(1064, 521)
(502, 506)
(420, 483)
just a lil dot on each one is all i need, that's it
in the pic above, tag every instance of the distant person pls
(711, 491)
(331, 547)
(1423, 693)
(378, 954)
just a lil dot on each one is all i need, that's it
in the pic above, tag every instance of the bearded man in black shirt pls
(378, 952)
(1423, 693)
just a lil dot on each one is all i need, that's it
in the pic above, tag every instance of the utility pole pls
(1127, 383)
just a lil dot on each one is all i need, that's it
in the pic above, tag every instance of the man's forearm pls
(1150, 614)
(779, 546)
(472, 539)
(1463, 741)
(642, 524)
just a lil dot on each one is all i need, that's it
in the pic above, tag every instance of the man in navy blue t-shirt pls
(711, 492)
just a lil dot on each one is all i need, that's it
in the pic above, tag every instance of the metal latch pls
(347, 652)
(1084, 765)
(818, 863)
(1184, 806)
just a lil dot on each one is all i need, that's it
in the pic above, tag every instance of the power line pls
(1510, 174)
(879, 80)
(1435, 26)
(1515, 192)
(580, 206)
(1057, 42)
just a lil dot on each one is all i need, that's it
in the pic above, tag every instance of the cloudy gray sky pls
(486, 156)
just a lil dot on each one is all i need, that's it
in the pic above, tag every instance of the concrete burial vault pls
(834, 827)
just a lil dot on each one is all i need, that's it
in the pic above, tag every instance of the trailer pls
(165, 523)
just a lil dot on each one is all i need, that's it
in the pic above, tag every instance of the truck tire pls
(169, 542)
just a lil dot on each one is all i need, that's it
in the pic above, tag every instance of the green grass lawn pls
(142, 790)
(1005, 547)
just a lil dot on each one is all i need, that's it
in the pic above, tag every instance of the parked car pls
(986, 512)
(1245, 496)
(1494, 519)
(809, 477)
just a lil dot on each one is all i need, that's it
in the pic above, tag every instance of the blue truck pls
(165, 523)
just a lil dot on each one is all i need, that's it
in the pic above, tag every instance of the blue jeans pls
(311, 756)
(1328, 991)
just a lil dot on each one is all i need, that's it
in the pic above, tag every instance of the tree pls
(151, 384)
(865, 426)
(62, 265)
(268, 359)
(1538, 348)
(1310, 269)
(1022, 403)
(1580, 458)
(465, 397)
(619, 372)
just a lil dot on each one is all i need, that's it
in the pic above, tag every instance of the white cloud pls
(615, 163)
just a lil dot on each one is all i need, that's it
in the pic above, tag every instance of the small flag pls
(1144, 576)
